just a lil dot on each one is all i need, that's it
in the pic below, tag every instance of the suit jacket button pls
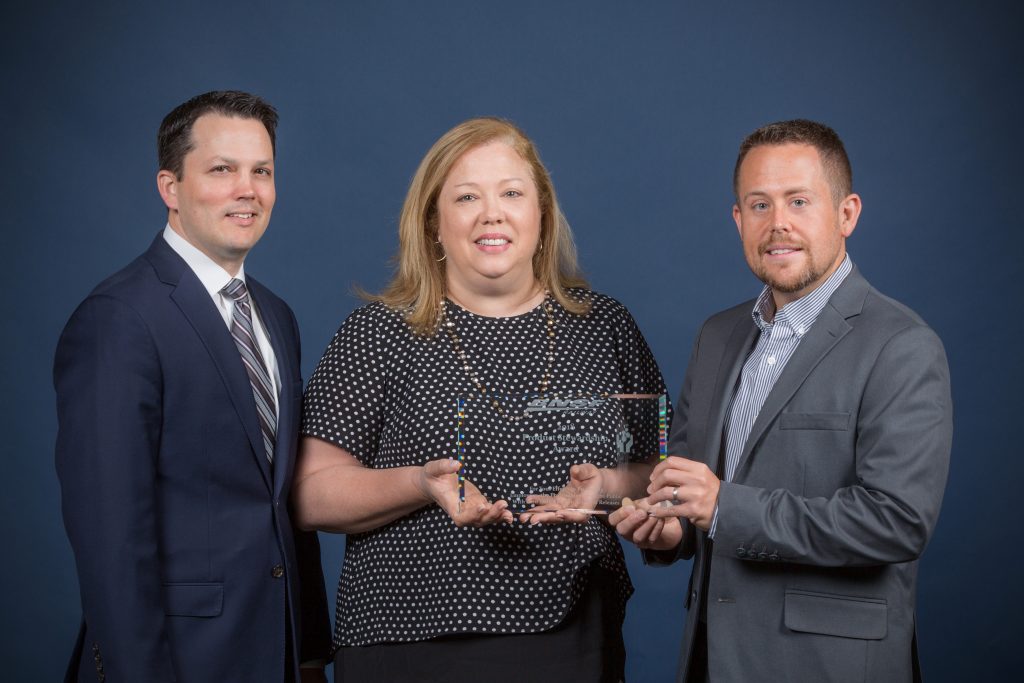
(773, 557)
(741, 552)
(762, 556)
(277, 572)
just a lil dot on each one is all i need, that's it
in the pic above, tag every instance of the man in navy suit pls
(178, 396)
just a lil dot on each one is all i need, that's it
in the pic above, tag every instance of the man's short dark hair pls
(174, 140)
(801, 131)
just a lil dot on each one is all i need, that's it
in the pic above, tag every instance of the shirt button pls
(771, 360)
(277, 572)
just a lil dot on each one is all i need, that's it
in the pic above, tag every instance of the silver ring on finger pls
(675, 496)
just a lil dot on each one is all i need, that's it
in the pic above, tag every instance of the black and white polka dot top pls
(388, 396)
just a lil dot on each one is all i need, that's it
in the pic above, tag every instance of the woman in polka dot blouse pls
(487, 300)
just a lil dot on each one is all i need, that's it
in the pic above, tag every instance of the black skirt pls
(586, 647)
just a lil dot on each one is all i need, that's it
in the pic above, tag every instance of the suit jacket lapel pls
(737, 348)
(831, 326)
(194, 302)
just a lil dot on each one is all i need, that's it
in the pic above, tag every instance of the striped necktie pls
(245, 339)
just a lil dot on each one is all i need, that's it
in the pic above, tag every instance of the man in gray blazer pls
(811, 444)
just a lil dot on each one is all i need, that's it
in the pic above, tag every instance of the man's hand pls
(684, 488)
(633, 522)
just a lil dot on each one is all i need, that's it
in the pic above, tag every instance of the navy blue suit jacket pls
(188, 563)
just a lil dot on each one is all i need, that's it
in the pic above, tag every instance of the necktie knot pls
(235, 290)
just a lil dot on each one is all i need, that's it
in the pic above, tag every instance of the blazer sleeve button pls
(741, 552)
(277, 572)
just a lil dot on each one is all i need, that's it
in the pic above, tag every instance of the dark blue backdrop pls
(638, 109)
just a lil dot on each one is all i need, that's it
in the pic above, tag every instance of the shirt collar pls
(209, 273)
(799, 315)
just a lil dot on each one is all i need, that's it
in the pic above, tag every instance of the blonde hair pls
(418, 286)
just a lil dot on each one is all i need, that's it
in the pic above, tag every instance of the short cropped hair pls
(174, 139)
(419, 284)
(801, 131)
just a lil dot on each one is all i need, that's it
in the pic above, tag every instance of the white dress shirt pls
(214, 278)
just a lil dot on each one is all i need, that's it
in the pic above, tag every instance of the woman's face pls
(489, 221)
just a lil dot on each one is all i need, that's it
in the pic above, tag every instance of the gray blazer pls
(813, 569)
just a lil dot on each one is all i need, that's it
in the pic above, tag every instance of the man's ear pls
(849, 212)
(167, 185)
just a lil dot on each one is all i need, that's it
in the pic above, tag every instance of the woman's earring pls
(444, 255)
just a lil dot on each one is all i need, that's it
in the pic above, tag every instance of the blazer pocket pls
(193, 599)
(822, 421)
(836, 615)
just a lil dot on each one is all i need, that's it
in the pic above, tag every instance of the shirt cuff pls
(714, 524)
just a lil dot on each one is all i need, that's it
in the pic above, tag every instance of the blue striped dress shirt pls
(779, 339)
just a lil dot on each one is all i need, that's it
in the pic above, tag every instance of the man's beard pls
(808, 276)
(812, 272)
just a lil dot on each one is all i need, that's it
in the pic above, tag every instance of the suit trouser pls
(698, 672)
(288, 649)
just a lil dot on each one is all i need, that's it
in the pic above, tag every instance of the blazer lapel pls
(828, 329)
(737, 348)
(194, 302)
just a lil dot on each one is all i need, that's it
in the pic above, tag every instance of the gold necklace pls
(545, 380)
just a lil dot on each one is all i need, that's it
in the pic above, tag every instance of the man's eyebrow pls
(234, 162)
(790, 191)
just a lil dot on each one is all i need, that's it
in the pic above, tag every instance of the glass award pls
(517, 447)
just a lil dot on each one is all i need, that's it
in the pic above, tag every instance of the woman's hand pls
(581, 493)
(633, 523)
(439, 483)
